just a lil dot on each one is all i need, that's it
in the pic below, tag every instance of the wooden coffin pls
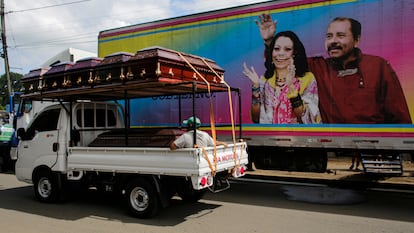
(33, 80)
(55, 77)
(82, 73)
(158, 62)
(148, 72)
(113, 68)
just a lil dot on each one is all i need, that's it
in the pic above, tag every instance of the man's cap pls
(190, 121)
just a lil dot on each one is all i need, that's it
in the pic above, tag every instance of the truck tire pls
(142, 199)
(188, 194)
(5, 160)
(46, 187)
(192, 196)
(312, 161)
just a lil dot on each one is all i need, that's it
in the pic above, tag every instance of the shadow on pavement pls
(91, 204)
(324, 199)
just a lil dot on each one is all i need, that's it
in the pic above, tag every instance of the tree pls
(16, 86)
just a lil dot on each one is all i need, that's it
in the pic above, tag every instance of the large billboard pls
(231, 38)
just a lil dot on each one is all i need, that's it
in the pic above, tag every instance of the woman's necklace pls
(280, 82)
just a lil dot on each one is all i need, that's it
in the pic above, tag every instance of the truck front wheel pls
(46, 186)
(141, 199)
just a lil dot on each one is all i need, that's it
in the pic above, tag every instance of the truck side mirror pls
(21, 133)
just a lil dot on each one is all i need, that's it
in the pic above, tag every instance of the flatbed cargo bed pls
(156, 161)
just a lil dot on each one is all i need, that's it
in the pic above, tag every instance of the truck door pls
(38, 146)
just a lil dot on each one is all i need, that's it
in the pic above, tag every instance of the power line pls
(69, 39)
(45, 7)
(50, 45)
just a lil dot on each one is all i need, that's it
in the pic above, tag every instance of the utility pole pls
(5, 55)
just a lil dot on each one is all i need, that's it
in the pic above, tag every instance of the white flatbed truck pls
(88, 143)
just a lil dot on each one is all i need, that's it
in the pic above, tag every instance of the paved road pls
(340, 175)
(246, 207)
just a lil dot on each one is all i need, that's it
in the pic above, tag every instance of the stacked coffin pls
(81, 73)
(167, 63)
(33, 81)
(152, 67)
(113, 68)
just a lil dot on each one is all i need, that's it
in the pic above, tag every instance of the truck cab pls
(53, 127)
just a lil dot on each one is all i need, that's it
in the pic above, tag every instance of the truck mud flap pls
(219, 184)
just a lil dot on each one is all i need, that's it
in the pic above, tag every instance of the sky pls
(38, 30)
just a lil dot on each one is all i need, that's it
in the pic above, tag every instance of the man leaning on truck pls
(186, 140)
(353, 87)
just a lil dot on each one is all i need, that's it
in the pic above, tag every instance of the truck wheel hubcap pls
(44, 187)
(139, 199)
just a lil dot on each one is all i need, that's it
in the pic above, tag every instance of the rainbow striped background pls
(230, 37)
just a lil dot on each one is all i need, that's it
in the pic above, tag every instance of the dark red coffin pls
(148, 72)
(158, 62)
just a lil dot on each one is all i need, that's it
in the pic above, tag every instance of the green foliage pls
(4, 92)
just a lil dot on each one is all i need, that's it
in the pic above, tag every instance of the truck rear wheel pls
(188, 194)
(192, 196)
(141, 199)
(46, 186)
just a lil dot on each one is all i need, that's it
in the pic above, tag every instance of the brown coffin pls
(158, 62)
(112, 68)
(31, 80)
(82, 73)
(55, 77)
(148, 72)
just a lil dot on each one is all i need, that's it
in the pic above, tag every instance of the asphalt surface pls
(339, 175)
